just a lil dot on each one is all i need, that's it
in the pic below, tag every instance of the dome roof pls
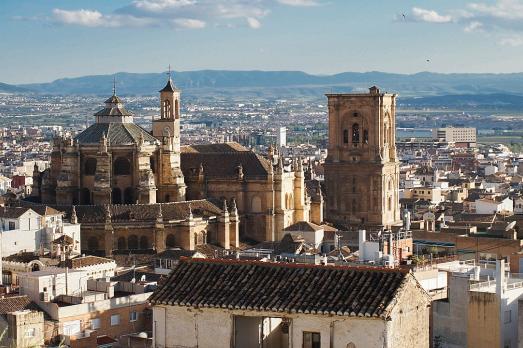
(116, 133)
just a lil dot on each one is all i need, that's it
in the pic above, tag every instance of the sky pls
(42, 41)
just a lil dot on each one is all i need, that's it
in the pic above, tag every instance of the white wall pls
(213, 328)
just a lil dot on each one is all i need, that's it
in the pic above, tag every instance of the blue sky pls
(45, 40)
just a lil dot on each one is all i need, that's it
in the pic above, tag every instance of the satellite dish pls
(510, 226)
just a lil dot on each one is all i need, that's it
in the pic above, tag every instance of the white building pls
(282, 136)
(34, 229)
(481, 309)
(455, 134)
(492, 206)
(281, 305)
(312, 233)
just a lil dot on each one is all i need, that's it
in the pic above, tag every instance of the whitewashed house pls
(282, 305)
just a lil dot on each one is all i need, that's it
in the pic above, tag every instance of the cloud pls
(513, 41)
(500, 19)
(187, 14)
(299, 2)
(430, 16)
(253, 23)
(91, 18)
(189, 23)
(473, 26)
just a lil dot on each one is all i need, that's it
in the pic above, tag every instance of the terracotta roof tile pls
(281, 287)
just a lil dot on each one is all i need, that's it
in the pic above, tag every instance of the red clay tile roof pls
(15, 303)
(282, 287)
(223, 160)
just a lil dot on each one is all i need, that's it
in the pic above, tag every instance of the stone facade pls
(268, 194)
(361, 169)
(115, 161)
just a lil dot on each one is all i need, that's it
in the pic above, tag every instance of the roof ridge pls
(294, 265)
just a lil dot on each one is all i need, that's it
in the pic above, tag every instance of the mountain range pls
(283, 84)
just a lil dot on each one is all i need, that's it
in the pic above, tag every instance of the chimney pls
(361, 240)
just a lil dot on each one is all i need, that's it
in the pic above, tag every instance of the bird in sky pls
(404, 16)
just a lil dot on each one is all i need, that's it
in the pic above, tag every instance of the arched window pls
(132, 242)
(128, 195)
(176, 109)
(355, 133)
(35, 267)
(90, 166)
(122, 166)
(144, 243)
(85, 196)
(365, 136)
(166, 109)
(116, 196)
(122, 243)
(346, 136)
(92, 243)
(170, 242)
(256, 204)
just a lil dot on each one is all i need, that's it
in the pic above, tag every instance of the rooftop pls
(282, 287)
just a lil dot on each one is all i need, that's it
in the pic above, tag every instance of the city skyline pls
(98, 37)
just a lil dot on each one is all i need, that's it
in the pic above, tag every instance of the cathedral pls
(133, 189)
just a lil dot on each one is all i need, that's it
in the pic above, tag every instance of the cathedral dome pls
(116, 133)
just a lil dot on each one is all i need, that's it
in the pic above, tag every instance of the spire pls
(225, 210)
(234, 209)
(114, 85)
(169, 87)
(74, 218)
(190, 212)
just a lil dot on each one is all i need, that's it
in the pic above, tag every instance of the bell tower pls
(361, 169)
(171, 187)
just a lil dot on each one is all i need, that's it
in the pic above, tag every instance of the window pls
(90, 166)
(133, 316)
(365, 136)
(115, 319)
(11, 225)
(355, 133)
(508, 316)
(95, 323)
(30, 332)
(311, 339)
(122, 166)
(345, 136)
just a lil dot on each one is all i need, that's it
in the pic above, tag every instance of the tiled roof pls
(86, 261)
(169, 87)
(303, 226)
(16, 303)
(230, 147)
(12, 212)
(223, 160)
(282, 287)
(116, 133)
(145, 212)
(45, 210)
